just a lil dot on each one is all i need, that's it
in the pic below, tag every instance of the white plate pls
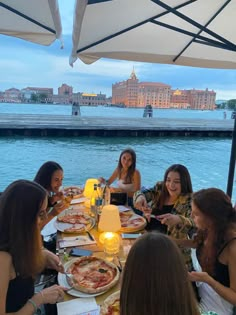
(63, 282)
(62, 226)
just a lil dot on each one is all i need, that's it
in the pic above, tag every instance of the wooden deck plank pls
(11, 124)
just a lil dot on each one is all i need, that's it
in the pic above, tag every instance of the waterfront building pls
(1, 96)
(37, 94)
(155, 94)
(64, 96)
(126, 92)
(89, 99)
(12, 95)
(193, 99)
(133, 93)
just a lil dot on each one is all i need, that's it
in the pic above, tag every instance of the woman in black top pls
(22, 208)
(215, 243)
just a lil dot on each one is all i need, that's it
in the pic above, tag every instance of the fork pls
(89, 234)
(69, 280)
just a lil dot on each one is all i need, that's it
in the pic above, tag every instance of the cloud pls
(26, 64)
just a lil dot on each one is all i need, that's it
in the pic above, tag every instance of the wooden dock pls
(63, 126)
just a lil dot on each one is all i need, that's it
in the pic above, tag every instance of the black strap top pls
(221, 270)
(19, 291)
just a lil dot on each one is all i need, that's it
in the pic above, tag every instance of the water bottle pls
(95, 203)
(106, 194)
(99, 201)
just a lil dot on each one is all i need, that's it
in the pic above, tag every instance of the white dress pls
(125, 187)
(210, 300)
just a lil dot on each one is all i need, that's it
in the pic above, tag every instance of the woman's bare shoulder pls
(5, 262)
(5, 257)
(137, 172)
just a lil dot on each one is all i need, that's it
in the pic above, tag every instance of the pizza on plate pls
(93, 275)
(111, 305)
(132, 222)
(73, 222)
(74, 218)
(73, 192)
(75, 228)
(126, 215)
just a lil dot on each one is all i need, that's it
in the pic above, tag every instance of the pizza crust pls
(93, 275)
(111, 305)
(134, 223)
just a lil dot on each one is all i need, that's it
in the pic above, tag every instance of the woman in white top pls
(128, 177)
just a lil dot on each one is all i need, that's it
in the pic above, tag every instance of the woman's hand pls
(59, 207)
(52, 261)
(102, 180)
(147, 211)
(169, 219)
(56, 197)
(140, 203)
(196, 276)
(50, 295)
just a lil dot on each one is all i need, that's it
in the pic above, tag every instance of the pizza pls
(73, 222)
(131, 222)
(74, 218)
(111, 305)
(75, 228)
(126, 215)
(93, 275)
(73, 192)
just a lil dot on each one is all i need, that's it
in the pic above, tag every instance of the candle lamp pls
(109, 224)
(88, 188)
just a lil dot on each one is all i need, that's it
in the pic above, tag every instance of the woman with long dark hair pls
(167, 205)
(50, 176)
(215, 244)
(127, 176)
(22, 208)
(155, 279)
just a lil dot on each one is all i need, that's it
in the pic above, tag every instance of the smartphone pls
(80, 252)
(131, 236)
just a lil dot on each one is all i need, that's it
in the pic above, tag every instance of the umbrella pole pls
(232, 159)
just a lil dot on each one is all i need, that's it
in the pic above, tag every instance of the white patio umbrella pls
(37, 21)
(198, 33)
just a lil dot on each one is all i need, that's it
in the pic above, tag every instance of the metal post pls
(232, 159)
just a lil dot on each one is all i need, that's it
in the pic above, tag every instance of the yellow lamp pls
(89, 185)
(109, 223)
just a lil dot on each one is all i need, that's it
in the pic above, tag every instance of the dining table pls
(97, 248)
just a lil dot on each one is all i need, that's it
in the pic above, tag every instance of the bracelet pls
(33, 304)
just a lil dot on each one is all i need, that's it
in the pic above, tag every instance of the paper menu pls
(81, 306)
(71, 241)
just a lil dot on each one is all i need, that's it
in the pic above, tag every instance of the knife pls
(90, 236)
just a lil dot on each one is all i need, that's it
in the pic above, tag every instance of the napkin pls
(75, 241)
(81, 306)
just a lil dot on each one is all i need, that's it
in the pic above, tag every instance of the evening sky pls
(25, 64)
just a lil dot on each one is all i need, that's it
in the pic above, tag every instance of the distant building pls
(89, 99)
(64, 96)
(12, 95)
(126, 92)
(44, 94)
(154, 93)
(65, 89)
(193, 99)
(133, 93)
